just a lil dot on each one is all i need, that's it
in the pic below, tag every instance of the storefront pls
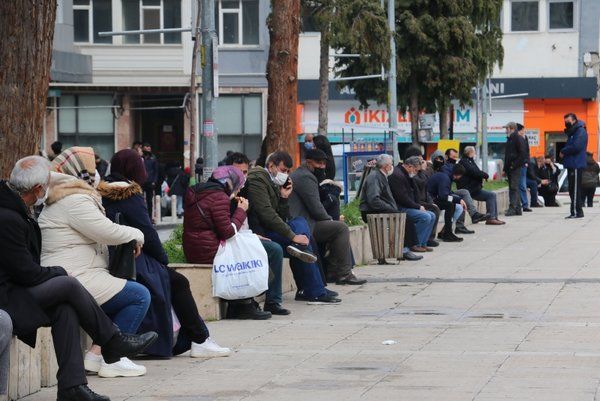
(540, 106)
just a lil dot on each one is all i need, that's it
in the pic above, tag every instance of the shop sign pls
(533, 137)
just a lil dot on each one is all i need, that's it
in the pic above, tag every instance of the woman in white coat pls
(76, 234)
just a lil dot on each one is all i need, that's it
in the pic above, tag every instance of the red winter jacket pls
(202, 236)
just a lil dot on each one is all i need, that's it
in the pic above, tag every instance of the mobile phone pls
(288, 183)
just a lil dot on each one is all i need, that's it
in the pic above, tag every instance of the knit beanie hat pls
(129, 164)
(77, 162)
(230, 176)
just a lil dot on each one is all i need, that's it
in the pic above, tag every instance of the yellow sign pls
(445, 144)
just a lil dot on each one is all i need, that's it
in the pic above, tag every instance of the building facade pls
(544, 44)
(140, 84)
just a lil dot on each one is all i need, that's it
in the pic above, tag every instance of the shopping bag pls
(240, 268)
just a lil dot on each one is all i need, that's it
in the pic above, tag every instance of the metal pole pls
(484, 125)
(392, 88)
(209, 132)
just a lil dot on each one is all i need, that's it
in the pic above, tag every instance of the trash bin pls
(387, 235)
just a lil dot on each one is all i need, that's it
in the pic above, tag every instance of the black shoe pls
(350, 279)
(536, 205)
(127, 345)
(477, 217)
(79, 393)
(579, 216)
(571, 216)
(510, 212)
(411, 257)
(449, 236)
(247, 311)
(433, 243)
(301, 252)
(324, 299)
(331, 293)
(519, 212)
(526, 209)
(276, 309)
(300, 296)
(463, 230)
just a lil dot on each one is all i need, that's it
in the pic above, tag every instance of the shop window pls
(152, 14)
(239, 124)
(238, 22)
(91, 17)
(87, 120)
(524, 16)
(561, 15)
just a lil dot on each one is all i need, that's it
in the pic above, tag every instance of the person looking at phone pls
(268, 190)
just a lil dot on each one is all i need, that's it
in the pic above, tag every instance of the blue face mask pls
(309, 145)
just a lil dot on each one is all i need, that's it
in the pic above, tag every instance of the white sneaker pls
(92, 362)
(208, 349)
(123, 368)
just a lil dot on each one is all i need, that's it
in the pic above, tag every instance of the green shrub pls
(352, 214)
(174, 246)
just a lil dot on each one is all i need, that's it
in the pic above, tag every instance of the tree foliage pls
(444, 47)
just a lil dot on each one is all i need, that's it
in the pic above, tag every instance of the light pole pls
(392, 87)
(209, 131)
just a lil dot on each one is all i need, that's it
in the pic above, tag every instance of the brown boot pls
(494, 222)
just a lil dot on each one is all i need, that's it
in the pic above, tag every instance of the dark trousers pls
(533, 191)
(432, 207)
(335, 236)
(514, 196)
(185, 308)
(549, 195)
(149, 193)
(575, 192)
(588, 196)
(449, 209)
(69, 305)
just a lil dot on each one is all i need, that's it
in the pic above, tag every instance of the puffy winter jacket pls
(207, 221)
(574, 150)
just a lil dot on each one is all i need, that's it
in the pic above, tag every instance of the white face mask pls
(40, 201)
(411, 175)
(96, 180)
(280, 178)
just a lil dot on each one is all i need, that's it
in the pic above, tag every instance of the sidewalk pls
(512, 313)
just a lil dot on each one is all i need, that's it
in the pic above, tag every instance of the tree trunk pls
(324, 82)
(27, 30)
(443, 106)
(414, 110)
(282, 77)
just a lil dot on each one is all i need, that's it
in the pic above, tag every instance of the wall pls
(590, 29)
(547, 116)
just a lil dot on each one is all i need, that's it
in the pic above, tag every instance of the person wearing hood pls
(76, 234)
(212, 209)
(34, 295)
(169, 290)
(440, 189)
(269, 189)
(476, 217)
(590, 179)
(327, 232)
(574, 160)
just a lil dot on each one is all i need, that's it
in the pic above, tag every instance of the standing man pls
(514, 159)
(523, 179)
(149, 186)
(574, 160)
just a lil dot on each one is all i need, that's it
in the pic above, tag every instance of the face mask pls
(97, 179)
(568, 125)
(280, 178)
(309, 145)
(40, 201)
(319, 173)
(412, 175)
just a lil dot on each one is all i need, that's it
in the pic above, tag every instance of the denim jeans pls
(423, 220)
(275, 254)
(491, 205)
(307, 275)
(533, 191)
(5, 336)
(523, 187)
(128, 308)
(180, 205)
(458, 211)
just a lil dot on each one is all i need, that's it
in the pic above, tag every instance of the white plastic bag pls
(240, 268)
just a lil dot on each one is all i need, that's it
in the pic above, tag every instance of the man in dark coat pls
(36, 296)
(149, 186)
(574, 160)
(440, 189)
(514, 160)
(405, 194)
(472, 181)
(334, 235)
(547, 172)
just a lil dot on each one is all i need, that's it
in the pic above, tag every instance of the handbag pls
(122, 259)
